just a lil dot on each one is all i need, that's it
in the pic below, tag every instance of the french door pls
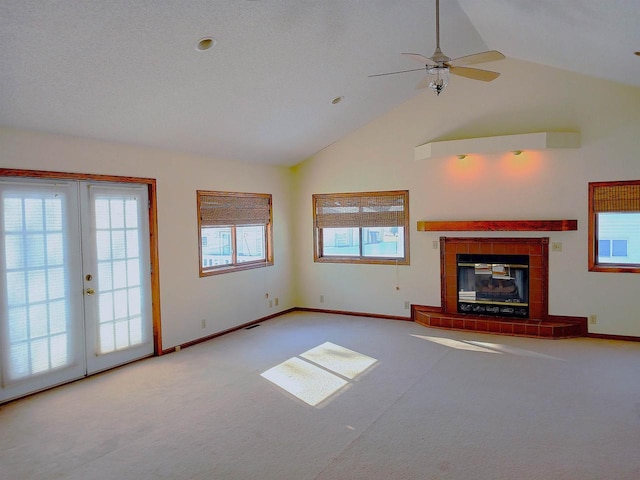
(75, 294)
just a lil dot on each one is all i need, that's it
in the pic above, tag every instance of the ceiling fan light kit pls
(438, 78)
(438, 66)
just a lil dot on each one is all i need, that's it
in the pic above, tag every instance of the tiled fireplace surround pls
(539, 323)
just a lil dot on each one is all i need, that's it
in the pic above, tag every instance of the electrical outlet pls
(204, 323)
(276, 302)
(556, 246)
(321, 298)
(593, 319)
(178, 348)
(407, 305)
(435, 244)
(270, 303)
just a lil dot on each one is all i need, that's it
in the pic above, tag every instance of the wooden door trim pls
(153, 229)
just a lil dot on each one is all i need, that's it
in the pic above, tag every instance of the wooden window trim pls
(318, 246)
(235, 267)
(594, 209)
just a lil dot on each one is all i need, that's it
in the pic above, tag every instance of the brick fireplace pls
(537, 323)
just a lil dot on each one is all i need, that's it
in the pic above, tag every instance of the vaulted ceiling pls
(127, 71)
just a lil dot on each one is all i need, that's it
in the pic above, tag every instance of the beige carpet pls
(326, 397)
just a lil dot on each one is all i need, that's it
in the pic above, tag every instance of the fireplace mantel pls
(498, 225)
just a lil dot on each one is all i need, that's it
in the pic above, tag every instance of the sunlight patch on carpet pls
(319, 373)
(514, 350)
(457, 344)
(338, 359)
(485, 347)
(309, 383)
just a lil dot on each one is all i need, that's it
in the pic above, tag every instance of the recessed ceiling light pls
(205, 44)
(337, 100)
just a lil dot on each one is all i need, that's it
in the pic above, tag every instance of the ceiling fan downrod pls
(438, 74)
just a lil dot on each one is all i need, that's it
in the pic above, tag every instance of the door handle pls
(90, 291)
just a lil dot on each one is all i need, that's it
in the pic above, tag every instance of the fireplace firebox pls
(493, 284)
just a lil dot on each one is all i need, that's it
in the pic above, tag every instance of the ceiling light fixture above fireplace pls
(498, 144)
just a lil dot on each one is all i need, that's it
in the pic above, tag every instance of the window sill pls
(615, 268)
(364, 261)
(234, 268)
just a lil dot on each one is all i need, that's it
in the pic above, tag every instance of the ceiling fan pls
(438, 66)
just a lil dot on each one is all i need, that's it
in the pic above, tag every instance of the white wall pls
(225, 300)
(379, 156)
(537, 185)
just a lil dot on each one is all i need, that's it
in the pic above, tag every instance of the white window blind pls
(36, 277)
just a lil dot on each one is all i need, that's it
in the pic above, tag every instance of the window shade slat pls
(227, 210)
(381, 219)
(379, 209)
(616, 198)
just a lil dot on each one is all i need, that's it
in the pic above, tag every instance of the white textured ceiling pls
(127, 71)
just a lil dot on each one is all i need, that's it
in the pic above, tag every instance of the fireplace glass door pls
(496, 285)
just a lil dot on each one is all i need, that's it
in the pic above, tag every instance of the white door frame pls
(153, 239)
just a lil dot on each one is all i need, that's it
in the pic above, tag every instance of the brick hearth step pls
(559, 327)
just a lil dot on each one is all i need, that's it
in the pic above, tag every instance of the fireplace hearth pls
(497, 285)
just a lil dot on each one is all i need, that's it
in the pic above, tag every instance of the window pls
(612, 248)
(235, 231)
(614, 226)
(368, 227)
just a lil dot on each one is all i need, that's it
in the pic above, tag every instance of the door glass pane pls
(119, 267)
(37, 284)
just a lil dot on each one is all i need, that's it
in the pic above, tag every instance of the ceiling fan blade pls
(420, 58)
(393, 73)
(474, 73)
(489, 56)
(424, 83)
